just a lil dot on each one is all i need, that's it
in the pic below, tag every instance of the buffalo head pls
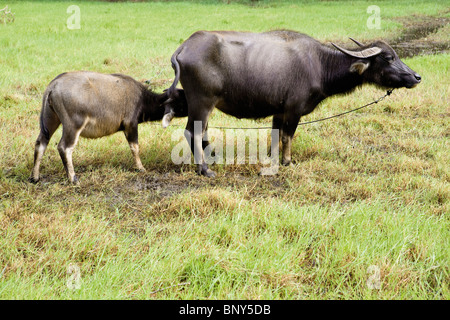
(378, 63)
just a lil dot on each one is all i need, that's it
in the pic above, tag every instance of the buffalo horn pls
(366, 53)
(357, 42)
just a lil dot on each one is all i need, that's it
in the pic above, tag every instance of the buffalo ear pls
(359, 66)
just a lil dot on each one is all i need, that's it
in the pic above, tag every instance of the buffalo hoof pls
(75, 180)
(208, 173)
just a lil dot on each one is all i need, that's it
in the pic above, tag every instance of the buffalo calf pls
(93, 105)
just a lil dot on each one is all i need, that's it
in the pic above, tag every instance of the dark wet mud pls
(422, 35)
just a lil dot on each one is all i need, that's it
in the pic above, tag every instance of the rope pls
(388, 93)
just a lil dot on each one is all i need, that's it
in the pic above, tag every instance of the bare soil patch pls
(422, 35)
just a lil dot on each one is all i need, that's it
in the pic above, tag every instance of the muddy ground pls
(422, 35)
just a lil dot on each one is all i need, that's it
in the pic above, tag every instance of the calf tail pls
(45, 105)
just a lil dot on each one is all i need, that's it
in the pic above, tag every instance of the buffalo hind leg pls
(194, 133)
(200, 107)
(205, 139)
(206, 143)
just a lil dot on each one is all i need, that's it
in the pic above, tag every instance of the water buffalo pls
(93, 105)
(281, 73)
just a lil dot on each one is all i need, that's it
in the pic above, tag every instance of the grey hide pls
(93, 105)
(283, 74)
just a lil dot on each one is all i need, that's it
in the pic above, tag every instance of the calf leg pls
(49, 123)
(131, 134)
(66, 145)
(134, 147)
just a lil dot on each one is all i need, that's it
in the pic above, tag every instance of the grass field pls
(363, 212)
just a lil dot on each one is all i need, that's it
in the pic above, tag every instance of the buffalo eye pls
(388, 58)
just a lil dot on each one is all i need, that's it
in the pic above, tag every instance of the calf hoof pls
(33, 180)
(75, 180)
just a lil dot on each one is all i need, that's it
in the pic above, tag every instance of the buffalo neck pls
(336, 75)
(152, 109)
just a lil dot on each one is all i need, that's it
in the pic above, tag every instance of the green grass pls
(368, 190)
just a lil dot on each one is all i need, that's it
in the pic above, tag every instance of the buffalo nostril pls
(418, 77)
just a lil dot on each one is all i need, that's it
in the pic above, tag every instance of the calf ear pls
(167, 118)
(359, 66)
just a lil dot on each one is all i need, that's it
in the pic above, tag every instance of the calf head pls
(175, 106)
(379, 64)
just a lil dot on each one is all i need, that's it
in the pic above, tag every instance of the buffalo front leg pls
(277, 124)
(287, 145)
(287, 134)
